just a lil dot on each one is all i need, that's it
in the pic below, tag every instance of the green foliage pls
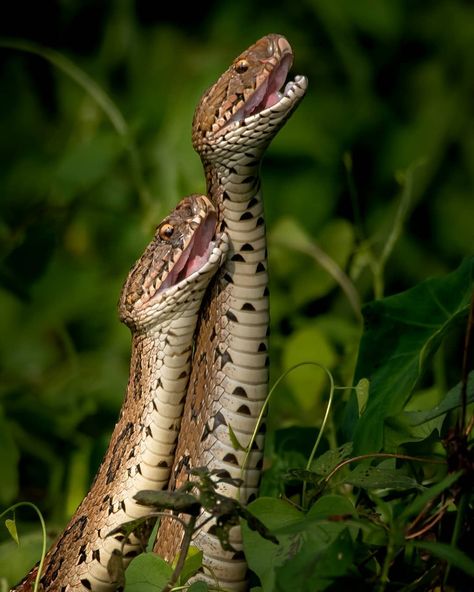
(402, 333)
(147, 573)
(95, 149)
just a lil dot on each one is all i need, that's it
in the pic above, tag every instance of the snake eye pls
(166, 231)
(241, 66)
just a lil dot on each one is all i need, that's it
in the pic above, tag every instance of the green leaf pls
(17, 560)
(453, 556)
(325, 549)
(191, 565)
(147, 573)
(401, 334)
(362, 393)
(311, 535)
(236, 445)
(414, 426)
(324, 464)
(331, 505)
(325, 520)
(313, 570)
(262, 555)
(11, 527)
(198, 587)
(369, 477)
(451, 401)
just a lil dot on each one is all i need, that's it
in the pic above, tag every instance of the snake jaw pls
(251, 92)
(195, 254)
(267, 92)
(191, 255)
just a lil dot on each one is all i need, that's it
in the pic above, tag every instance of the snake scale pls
(234, 123)
(225, 382)
(159, 303)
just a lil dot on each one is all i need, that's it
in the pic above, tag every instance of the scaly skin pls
(160, 307)
(233, 124)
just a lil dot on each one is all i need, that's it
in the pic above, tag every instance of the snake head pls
(176, 266)
(248, 105)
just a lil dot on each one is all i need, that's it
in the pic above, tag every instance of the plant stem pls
(188, 533)
(463, 504)
(43, 530)
(383, 581)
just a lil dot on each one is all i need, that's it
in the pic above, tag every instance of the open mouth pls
(271, 91)
(195, 255)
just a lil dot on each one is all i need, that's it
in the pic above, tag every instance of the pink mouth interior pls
(266, 94)
(195, 255)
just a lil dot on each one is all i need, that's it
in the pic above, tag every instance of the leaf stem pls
(188, 534)
(463, 505)
(320, 435)
(43, 530)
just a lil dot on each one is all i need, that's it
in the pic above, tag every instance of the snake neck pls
(242, 368)
(229, 379)
(139, 457)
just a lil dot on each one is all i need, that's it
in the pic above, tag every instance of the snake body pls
(159, 303)
(233, 124)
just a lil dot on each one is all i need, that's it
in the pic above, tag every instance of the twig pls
(188, 534)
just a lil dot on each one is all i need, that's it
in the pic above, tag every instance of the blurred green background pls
(390, 100)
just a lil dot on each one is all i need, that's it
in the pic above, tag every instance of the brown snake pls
(159, 303)
(234, 123)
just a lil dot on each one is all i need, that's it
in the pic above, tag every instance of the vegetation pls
(368, 194)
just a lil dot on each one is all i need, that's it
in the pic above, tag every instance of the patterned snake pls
(159, 303)
(234, 123)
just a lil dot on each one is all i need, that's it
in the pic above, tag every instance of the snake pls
(213, 249)
(234, 122)
(159, 302)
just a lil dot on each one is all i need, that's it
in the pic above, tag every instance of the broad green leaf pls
(331, 505)
(262, 555)
(380, 478)
(325, 520)
(147, 573)
(401, 334)
(314, 569)
(453, 556)
(305, 537)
